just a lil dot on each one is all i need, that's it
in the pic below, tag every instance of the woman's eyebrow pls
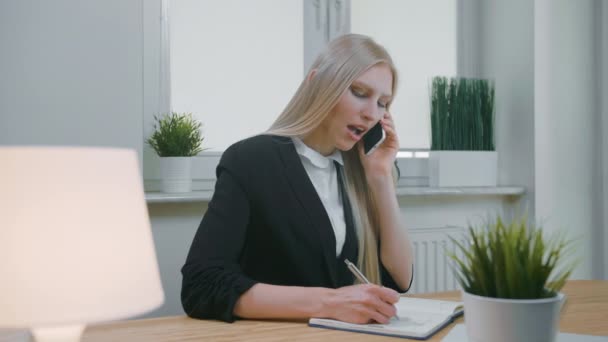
(367, 87)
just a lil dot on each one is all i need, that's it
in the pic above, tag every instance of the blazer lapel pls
(310, 202)
(351, 246)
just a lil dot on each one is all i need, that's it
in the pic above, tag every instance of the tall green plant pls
(462, 114)
(511, 261)
(176, 135)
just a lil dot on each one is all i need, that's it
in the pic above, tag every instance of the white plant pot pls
(462, 168)
(175, 174)
(509, 320)
(413, 171)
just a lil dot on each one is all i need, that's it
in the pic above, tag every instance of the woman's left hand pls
(380, 162)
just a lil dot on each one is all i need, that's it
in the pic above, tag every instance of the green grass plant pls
(176, 135)
(511, 261)
(462, 114)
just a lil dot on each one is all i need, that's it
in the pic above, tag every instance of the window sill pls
(461, 191)
(205, 196)
(187, 197)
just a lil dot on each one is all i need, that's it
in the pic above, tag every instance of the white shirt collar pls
(316, 158)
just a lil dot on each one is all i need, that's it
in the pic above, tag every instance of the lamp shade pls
(75, 238)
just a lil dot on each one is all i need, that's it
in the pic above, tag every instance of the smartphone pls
(373, 138)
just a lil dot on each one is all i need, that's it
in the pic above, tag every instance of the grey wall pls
(491, 46)
(173, 227)
(566, 116)
(468, 34)
(551, 135)
(507, 56)
(71, 73)
(603, 96)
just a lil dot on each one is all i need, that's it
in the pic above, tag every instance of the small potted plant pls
(176, 139)
(511, 277)
(462, 133)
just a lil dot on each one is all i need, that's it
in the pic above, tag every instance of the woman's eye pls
(382, 105)
(357, 93)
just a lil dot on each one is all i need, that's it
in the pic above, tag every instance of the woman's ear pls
(311, 75)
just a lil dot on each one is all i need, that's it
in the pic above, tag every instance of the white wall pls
(565, 117)
(71, 73)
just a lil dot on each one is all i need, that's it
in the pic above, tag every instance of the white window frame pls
(323, 21)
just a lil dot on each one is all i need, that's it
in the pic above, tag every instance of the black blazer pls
(265, 223)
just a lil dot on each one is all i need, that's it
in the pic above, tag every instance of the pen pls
(356, 272)
(359, 275)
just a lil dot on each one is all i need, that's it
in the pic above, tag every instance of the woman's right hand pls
(360, 304)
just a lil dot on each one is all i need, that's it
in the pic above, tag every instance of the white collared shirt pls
(322, 173)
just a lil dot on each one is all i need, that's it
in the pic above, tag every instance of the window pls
(236, 63)
(236, 71)
(421, 38)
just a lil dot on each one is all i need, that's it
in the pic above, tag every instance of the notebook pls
(418, 319)
(459, 334)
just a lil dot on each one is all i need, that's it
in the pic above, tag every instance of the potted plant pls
(511, 277)
(176, 139)
(462, 133)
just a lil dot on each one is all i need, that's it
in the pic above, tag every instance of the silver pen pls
(359, 275)
(356, 272)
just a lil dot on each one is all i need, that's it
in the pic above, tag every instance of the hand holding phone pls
(373, 138)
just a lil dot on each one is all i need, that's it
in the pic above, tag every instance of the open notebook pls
(418, 319)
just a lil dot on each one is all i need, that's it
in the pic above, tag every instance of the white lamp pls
(75, 240)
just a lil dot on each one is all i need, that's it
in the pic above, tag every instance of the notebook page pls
(409, 324)
(418, 325)
(415, 323)
(426, 305)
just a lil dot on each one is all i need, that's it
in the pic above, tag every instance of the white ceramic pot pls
(462, 168)
(175, 174)
(509, 320)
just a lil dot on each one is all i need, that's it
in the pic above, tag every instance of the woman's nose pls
(371, 112)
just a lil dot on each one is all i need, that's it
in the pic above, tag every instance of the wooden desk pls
(585, 312)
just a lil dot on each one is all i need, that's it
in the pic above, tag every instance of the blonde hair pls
(342, 62)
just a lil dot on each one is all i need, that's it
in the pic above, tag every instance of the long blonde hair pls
(342, 62)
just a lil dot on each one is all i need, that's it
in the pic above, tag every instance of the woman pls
(292, 204)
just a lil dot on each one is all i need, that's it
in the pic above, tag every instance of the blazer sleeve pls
(388, 281)
(212, 278)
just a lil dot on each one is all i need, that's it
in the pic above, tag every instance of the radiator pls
(432, 271)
